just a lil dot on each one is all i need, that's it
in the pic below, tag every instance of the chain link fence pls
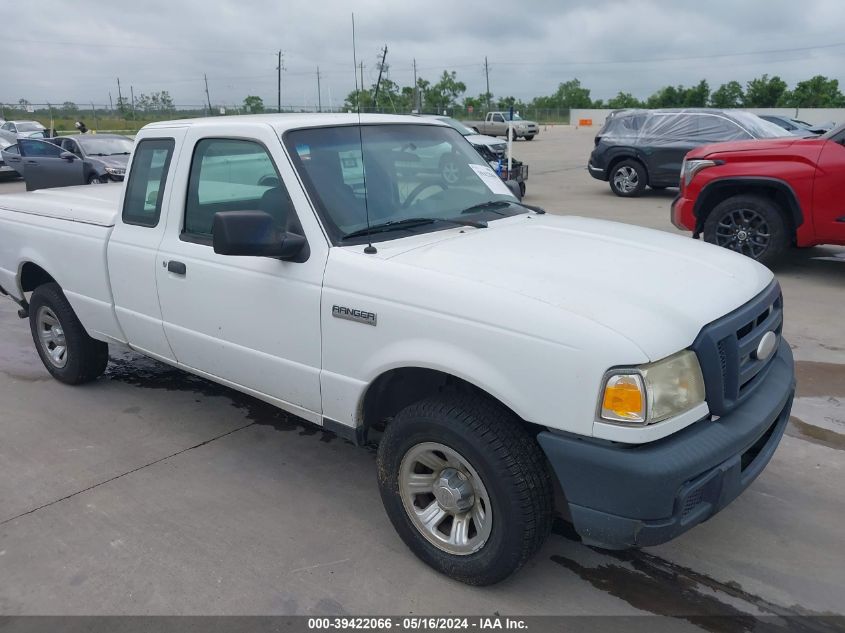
(108, 118)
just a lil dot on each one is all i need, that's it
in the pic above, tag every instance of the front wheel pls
(94, 179)
(530, 137)
(628, 178)
(65, 348)
(466, 487)
(751, 225)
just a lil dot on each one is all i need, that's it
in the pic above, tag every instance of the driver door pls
(44, 168)
(253, 322)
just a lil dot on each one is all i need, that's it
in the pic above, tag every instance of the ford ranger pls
(501, 357)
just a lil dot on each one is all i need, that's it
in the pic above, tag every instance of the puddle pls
(140, 371)
(650, 583)
(816, 434)
(819, 379)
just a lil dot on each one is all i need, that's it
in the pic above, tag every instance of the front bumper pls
(623, 496)
(596, 172)
(681, 213)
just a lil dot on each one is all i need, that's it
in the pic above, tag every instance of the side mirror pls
(513, 185)
(68, 156)
(254, 234)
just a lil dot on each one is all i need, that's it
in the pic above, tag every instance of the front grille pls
(726, 350)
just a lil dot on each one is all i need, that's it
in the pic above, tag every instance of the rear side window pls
(232, 175)
(147, 179)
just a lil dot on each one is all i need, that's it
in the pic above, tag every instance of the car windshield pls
(515, 117)
(29, 126)
(108, 146)
(462, 129)
(408, 172)
(759, 128)
(834, 132)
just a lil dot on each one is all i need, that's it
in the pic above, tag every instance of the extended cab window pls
(147, 179)
(233, 175)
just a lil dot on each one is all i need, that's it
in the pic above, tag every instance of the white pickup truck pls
(497, 353)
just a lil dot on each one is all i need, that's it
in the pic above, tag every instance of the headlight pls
(116, 171)
(654, 392)
(691, 167)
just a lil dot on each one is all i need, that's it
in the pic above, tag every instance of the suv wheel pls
(751, 225)
(628, 178)
(529, 137)
(466, 487)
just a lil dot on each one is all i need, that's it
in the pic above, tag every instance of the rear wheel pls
(751, 225)
(465, 486)
(530, 137)
(628, 178)
(64, 346)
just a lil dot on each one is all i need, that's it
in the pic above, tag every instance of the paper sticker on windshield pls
(491, 179)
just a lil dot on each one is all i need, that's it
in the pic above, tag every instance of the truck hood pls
(745, 146)
(656, 289)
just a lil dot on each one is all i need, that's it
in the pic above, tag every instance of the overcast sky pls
(63, 50)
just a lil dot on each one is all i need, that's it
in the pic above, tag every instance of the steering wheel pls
(416, 191)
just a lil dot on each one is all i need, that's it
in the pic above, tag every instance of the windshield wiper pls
(409, 223)
(98, 154)
(493, 205)
(119, 154)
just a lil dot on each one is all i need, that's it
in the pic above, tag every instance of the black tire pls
(530, 137)
(752, 225)
(522, 190)
(94, 179)
(628, 178)
(510, 465)
(84, 358)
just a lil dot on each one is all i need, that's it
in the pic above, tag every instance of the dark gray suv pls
(639, 148)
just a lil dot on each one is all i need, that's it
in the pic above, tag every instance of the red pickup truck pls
(761, 197)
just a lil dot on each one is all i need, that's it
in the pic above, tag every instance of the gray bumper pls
(632, 496)
(596, 172)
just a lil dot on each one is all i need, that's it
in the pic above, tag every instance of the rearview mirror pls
(68, 156)
(253, 233)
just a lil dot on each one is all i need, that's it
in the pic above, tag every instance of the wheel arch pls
(32, 275)
(396, 388)
(779, 191)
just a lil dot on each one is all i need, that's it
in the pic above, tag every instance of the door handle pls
(177, 268)
(32, 162)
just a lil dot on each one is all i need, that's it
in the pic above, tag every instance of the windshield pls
(462, 129)
(515, 117)
(759, 128)
(412, 171)
(97, 145)
(29, 126)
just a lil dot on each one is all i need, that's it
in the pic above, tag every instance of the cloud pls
(55, 50)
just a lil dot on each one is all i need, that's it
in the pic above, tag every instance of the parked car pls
(639, 148)
(497, 123)
(6, 171)
(795, 126)
(67, 161)
(496, 146)
(13, 130)
(487, 346)
(759, 198)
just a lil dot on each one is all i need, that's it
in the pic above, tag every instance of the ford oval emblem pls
(766, 346)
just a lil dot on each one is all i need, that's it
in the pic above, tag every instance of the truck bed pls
(90, 204)
(66, 230)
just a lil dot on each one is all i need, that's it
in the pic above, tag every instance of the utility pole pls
(380, 71)
(319, 96)
(416, 107)
(132, 93)
(487, 77)
(207, 97)
(362, 76)
(119, 94)
(111, 103)
(279, 83)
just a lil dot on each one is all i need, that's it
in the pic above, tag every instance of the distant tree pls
(123, 105)
(570, 94)
(728, 95)
(624, 100)
(445, 93)
(254, 104)
(764, 92)
(818, 92)
(69, 109)
(667, 97)
(696, 96)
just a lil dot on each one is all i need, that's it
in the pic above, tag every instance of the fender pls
(713, 187)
